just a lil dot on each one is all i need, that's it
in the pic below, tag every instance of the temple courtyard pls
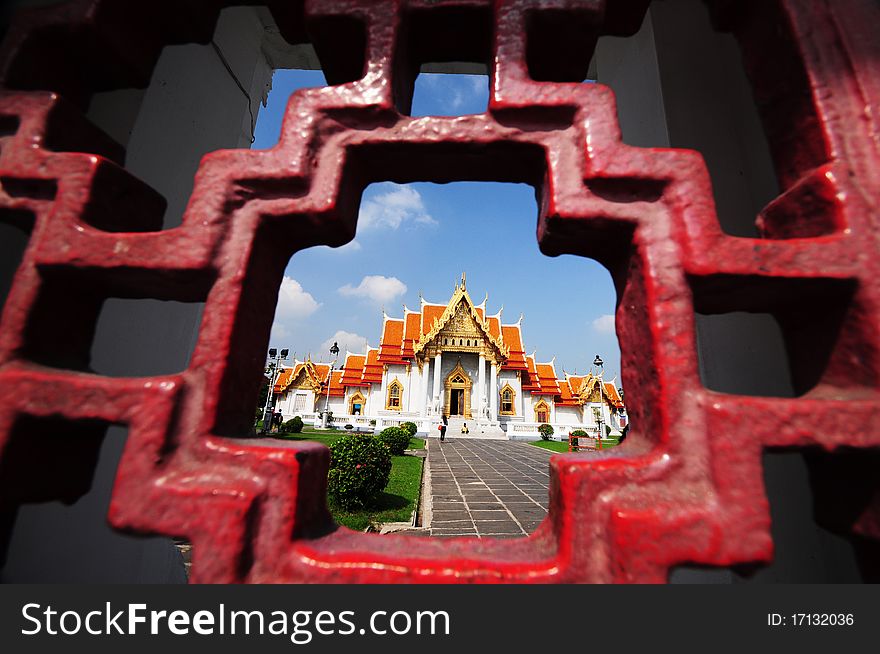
(476, 487)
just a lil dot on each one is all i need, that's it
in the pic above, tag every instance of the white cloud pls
(604, 324)
(400, 204)
(351, 246)
(293, 301)
(345, 341)
(474, 84)
(375, 288)
(452, 92)
(279, 333)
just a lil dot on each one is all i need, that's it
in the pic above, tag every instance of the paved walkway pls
(486, 488)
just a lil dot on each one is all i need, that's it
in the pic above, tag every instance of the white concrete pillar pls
(424, 411)
(493, 393)
(481, 387)
(412, 389)
(435, 395)
(384, 386)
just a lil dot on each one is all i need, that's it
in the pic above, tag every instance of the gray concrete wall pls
(680, 84)
(192, 107)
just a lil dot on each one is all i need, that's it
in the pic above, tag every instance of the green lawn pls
(325, 437)
(562, 446)
(396, 502)
(329, 437)
(555, 446)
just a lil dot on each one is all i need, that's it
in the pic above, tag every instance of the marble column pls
(384, 387)
(481, 387)
(436, 394)
(423, 391)
(493, 393)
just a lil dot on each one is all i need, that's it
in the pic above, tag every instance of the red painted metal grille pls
(688, 493)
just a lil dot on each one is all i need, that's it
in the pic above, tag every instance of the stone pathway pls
(486, 488)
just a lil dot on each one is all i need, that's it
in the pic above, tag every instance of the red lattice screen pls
(692, 494)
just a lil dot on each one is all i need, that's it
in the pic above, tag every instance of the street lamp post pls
(334, 350)
(272, 369)
(600, 419)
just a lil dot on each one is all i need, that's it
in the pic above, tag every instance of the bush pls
(349, 427)
(292, 426)
(410, 427)
(395, 438)
(359, 469)
(546, 431)
(576, 435)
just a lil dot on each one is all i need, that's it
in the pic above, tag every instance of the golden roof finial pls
(463, 279)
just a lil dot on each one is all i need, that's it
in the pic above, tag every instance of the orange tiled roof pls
(320, 370)
(284, 378)
(495, 327)
(565, 397)
(530, 376)
(336, 387)
(411, 333)
(353, 370)
(391, 344)
(511, 336)
(613, 395)
(373, 369)
(583, 387)
(576, 384)
(430, 313)
(392, 332)
(546, 379)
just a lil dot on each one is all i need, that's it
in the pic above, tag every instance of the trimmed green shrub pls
(411, 427)
(349, 427)
(395, 438)
(359, 469)
(576, 435)
(546, 431)
(292, 426)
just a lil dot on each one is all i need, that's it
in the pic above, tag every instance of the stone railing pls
(529, 430)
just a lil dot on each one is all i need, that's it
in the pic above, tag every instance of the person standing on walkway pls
(443, 422)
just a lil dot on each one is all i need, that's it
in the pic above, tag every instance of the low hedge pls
(395, 438)
(411, 427)
(292, 426)
(360, 466)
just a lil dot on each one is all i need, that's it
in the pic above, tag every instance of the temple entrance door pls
(456, 402)
(458, 393)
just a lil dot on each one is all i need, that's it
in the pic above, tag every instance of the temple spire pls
(463, 281)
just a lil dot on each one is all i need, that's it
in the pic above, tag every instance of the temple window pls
(542, 412)
(395, 393)
(507, 401)
(356, 404)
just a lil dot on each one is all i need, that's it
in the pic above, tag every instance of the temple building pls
(450, 359)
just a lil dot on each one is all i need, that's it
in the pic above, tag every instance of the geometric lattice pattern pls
(687, 485)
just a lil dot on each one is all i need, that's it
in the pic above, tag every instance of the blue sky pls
(421, 237)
